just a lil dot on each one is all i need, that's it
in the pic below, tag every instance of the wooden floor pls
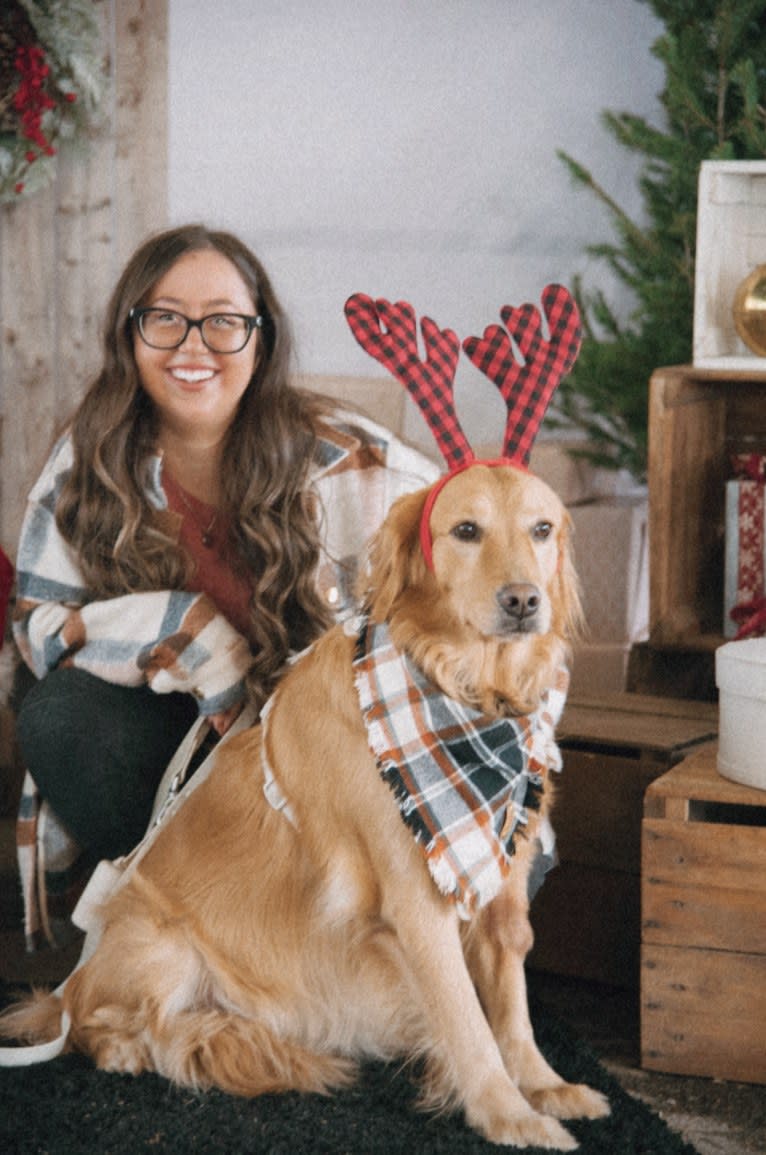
(716, 1118)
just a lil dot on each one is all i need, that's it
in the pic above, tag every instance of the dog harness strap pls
(36, 1052)
(272, 791)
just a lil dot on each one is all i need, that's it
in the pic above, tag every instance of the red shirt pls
(204, 535)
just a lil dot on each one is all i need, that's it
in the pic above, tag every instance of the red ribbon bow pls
(751, 619)
(749, 466)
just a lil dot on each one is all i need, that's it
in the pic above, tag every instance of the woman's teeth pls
(192, 376)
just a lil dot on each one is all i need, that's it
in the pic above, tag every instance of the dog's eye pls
(467, 531)
(542, 531)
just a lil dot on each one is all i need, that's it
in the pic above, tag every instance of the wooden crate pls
(586, 918)
(697, 418)
(703, 953)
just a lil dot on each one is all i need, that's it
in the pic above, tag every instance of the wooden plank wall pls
(62, 250)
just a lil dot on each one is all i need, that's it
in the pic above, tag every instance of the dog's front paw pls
(570, 1101)
(506, 1118)
(533, 1130)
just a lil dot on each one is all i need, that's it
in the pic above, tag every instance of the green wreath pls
(52, 83)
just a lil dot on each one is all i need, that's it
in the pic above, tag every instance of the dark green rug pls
(66, 1106)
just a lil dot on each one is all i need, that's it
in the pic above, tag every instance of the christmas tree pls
(714, 98)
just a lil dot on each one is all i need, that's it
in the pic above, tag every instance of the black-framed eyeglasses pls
(221, 332)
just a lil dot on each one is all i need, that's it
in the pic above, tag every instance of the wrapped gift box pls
(612, 560)
(745, 558)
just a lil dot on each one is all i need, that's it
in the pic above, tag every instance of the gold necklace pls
(205, 532)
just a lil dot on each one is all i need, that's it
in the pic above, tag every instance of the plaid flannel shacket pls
(463, 780)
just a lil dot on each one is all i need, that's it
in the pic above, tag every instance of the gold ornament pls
(750, 310)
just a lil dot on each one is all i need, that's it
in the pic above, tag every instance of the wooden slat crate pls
(703, 954)
(697, 419)
(586, 918)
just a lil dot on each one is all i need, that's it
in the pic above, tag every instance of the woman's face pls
(194, 390)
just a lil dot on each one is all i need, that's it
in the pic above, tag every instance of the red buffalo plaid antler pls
(528, 386)
(389, 334)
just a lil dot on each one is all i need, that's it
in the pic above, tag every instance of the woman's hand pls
(221, 722)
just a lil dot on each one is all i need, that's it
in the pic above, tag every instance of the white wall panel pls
(406, 149)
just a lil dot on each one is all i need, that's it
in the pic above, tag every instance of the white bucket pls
(740, 674)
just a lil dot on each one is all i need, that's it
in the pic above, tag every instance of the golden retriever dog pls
(259, 952)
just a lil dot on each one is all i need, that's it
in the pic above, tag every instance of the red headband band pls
(426, 539)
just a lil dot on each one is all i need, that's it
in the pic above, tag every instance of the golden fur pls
(249, 954)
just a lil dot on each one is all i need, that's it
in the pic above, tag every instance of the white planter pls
(741, 679)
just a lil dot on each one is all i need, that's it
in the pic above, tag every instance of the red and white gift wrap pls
(745, 562)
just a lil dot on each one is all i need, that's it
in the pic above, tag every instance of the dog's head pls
(502, 583)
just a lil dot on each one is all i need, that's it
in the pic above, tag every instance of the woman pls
(199, 520)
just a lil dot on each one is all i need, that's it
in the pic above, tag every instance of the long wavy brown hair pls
(124, 544)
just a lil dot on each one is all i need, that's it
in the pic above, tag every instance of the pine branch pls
(714, 97)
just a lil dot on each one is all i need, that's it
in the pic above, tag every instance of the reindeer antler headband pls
(388, 333)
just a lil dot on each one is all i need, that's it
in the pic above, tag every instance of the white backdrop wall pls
(406, 149)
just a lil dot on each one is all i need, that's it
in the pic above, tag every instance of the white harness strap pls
(271, 789)
(37, 1052)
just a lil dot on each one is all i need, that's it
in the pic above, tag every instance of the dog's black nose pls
(519, 600)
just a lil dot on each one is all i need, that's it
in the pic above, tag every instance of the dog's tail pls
(244, 1057)
(196, 1048)
(204, 1048)
(35, 1019)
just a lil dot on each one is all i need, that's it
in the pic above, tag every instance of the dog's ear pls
(395, 559)
(569, 619)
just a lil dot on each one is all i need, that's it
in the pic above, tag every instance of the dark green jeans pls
(97, 753)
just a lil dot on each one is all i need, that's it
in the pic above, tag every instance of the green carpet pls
(66, 1107)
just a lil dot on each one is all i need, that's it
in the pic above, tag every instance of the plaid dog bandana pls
(463, 780)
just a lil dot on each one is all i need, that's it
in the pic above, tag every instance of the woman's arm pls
(169, 639)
